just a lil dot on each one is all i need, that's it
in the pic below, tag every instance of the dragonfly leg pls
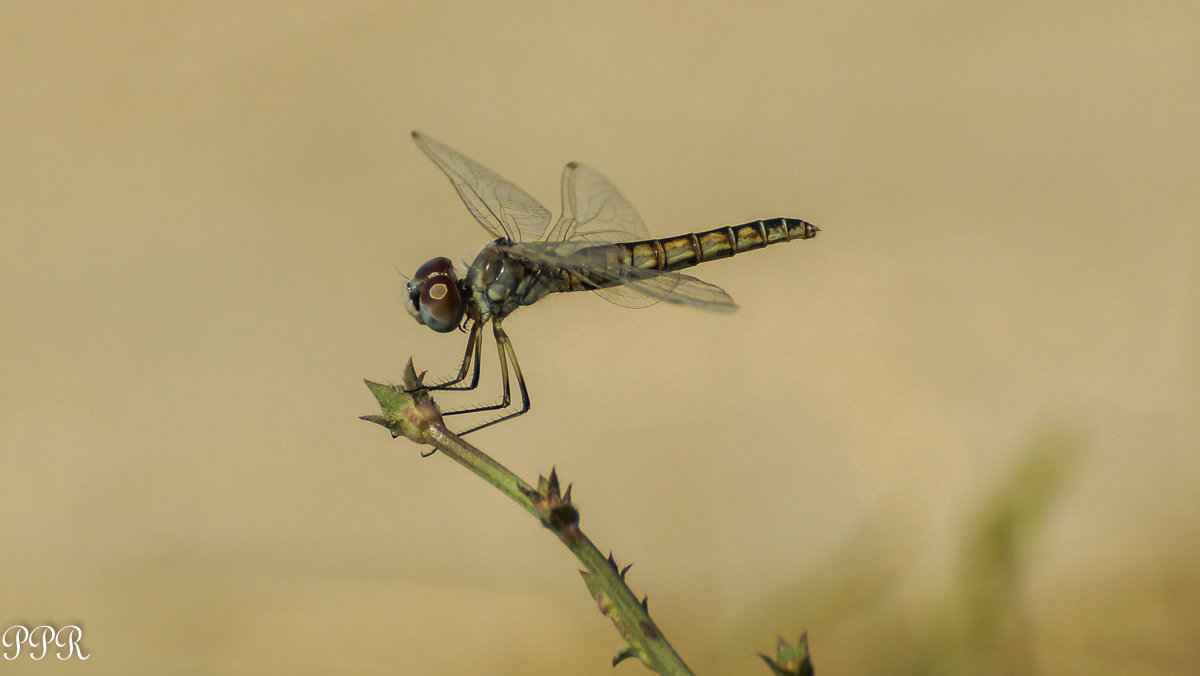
(506, 397)
(506, 353)
(473, 354)
(502, 338)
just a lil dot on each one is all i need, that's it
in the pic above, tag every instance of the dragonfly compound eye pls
(433, 267)
(440, 302)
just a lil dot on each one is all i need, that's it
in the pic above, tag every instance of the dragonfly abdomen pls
(676, 253)
(684, 251)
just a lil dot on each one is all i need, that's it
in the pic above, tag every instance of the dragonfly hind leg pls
(506, 354)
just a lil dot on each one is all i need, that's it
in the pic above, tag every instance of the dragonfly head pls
(434, 297)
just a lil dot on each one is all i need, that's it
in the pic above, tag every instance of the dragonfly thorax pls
(501, 282)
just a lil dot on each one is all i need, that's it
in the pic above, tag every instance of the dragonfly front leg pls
(505, 352)
(473, 354)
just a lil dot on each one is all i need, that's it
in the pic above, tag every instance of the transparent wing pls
(501, 207)
(622, 284)
(671, 287)
(594, 211)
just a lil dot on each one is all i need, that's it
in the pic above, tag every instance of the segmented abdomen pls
(684, 251)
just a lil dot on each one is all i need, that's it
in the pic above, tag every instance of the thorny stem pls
(409, 411)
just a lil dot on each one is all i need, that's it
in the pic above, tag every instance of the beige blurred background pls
(956, 433)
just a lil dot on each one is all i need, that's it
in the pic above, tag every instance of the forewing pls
(594, 210)
(501, 207)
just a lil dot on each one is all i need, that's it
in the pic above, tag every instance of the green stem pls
(481, 464)
(411, 412)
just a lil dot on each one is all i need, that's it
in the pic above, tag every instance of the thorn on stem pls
(625, 654)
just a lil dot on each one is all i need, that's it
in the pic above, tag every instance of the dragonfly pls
(598, 244)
